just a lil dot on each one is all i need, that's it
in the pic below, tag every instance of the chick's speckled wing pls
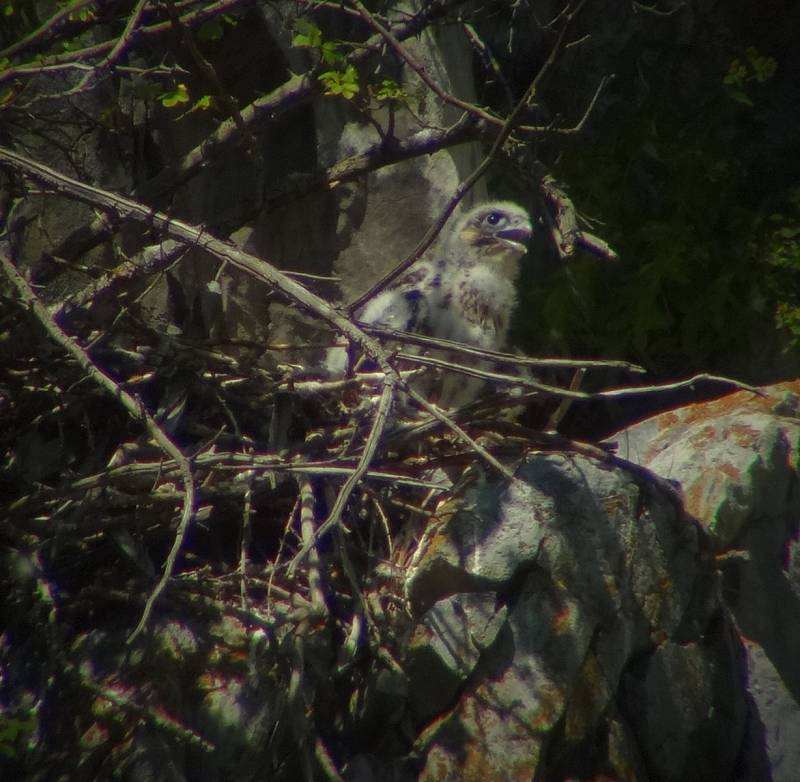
(407, 305)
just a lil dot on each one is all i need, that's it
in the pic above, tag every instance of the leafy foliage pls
(695, 286)
(175, 97)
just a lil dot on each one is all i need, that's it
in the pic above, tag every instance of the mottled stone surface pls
(611, 632)
(736, 459)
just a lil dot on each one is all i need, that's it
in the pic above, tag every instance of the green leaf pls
(331, 54)
(343, 83)
(203, 104)
(308, 35)
(740, 96)
(390, 90)
(175, 97)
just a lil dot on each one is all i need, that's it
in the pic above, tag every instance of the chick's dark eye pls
(493, 218)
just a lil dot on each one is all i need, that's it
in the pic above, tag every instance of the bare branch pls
(307, 522)
(45, 29)
(40, 37)
(129, 209)
(262, 270)
(378, 425)
(135, 409)
(500, 358)
(563, 219)
(124, 42)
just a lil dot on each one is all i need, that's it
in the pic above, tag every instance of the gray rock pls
(603, 579)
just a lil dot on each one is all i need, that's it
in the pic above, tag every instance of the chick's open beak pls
(516, 237)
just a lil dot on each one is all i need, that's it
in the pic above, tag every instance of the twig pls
(307, 521)
(124, 41)
(135, 409)
(158, 718)
(325, 761)
(378, 425)
(149, 261)
(376, 156)
(500, 358)
(563, 219)
(420, 70)
(41, 32)
(618, 393)
(210, 74)
(470, 108)
(193, 236)
(489, 60)
(39, 35)
(497, 377)
(565, 404)
(294, 92)
(444, 418)
(614, 393)
(237, 463)
(244, 543)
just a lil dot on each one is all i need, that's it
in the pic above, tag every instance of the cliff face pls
(584, 621)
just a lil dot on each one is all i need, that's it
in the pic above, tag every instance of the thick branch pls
(127, 208)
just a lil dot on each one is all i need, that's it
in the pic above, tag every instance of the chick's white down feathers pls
(465, 291)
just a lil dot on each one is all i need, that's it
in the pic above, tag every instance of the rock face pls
(585, 622)
(736, 459)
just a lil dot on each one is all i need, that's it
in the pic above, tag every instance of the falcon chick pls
(481, 266)
(478, 294)
(464, 291)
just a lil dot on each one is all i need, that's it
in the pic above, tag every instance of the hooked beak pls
(516, 238)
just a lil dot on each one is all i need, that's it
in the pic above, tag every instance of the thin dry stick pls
(295, 91)
(136, 410)
(209, 73)
(420, 70)
(290, 519)
(307, 521)
(504, 358)
(472, 109)
(194, 17)
(612, 393)
(44, 29)
(440, 415)
(371, 445)
(130, 209)
(497, 377)
(563, 406)
(256, 267)
(212, 463)
(124, 42)
(157, 717)
(149, 261)
(325, 761)
(244, 543)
